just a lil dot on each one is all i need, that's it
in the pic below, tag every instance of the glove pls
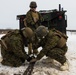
(29, 59)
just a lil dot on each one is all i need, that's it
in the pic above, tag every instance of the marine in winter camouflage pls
(14, 54)
(50, 47)
(33, 17)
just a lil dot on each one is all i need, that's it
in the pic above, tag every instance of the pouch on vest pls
(61, 42)
(35, 16)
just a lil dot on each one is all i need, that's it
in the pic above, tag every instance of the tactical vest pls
(35, 16)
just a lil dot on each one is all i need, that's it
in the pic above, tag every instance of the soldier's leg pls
(12, 61)
(6, 63)
(5, 56)
(65, 48)
(57, 54)
(16, 61)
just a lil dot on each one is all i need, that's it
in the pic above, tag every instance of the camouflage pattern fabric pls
(15, 54)
(50, 48)
(30, 20)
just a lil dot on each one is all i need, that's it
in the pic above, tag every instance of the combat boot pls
(65, 66)
(6, 63)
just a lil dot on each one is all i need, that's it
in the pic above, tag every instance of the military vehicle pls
(52, 19)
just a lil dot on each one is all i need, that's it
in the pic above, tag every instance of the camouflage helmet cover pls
(27, 32)
(33, 4)
(41, 31)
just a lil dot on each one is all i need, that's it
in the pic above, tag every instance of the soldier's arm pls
(30, 48)
(29, 19)
(18, 48)
(50, 43)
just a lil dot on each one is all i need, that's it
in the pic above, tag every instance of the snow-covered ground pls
(42, 68)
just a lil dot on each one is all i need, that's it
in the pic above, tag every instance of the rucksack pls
(63, 38)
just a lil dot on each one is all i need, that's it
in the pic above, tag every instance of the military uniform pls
(13, 53)
(51, 48)
(31, 18)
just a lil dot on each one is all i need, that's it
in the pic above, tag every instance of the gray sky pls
(9, 9)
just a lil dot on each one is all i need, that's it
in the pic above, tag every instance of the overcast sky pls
(9, 9)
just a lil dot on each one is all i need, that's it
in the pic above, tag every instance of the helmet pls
(33, 4)
(41, 31)
(27, 32)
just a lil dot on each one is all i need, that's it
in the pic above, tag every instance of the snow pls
(45, 68)
(1, 35)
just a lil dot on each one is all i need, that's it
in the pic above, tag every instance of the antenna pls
(59, 7)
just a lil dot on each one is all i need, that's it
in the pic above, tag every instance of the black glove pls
(29, 59)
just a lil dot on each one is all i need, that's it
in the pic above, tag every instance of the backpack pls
(5, 39)
(63, 38)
